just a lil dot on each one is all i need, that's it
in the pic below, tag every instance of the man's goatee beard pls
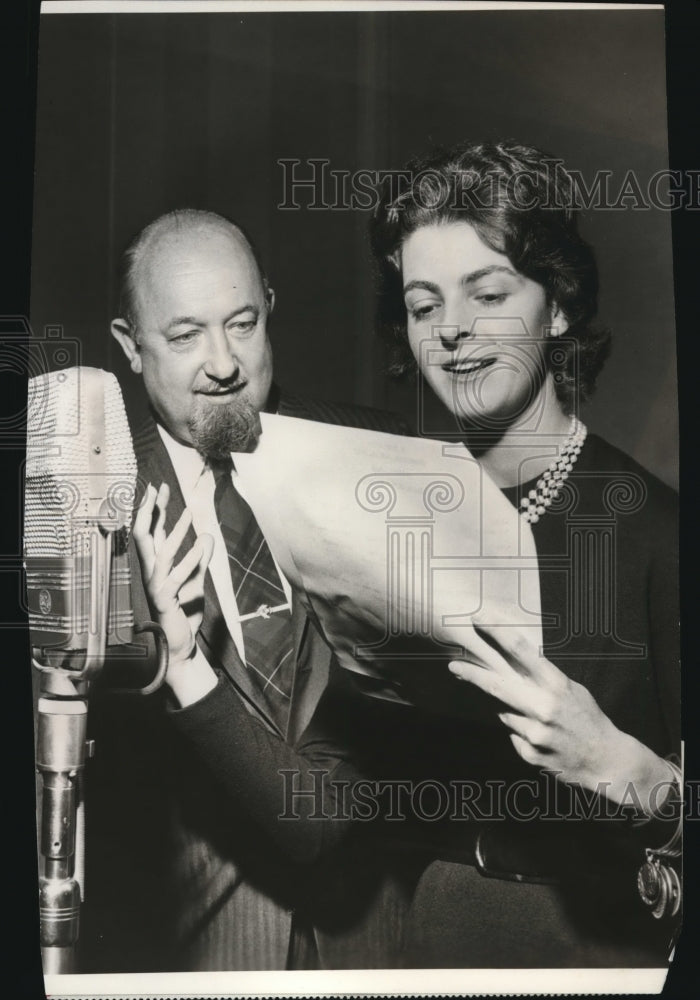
(217, 430)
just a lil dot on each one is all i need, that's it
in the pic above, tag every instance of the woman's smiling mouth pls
(468, 366)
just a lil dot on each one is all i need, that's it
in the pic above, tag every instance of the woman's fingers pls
(485, 654)
(525, 750)
(508, 689)
(518, 649)
(535, 732)
(512, 669)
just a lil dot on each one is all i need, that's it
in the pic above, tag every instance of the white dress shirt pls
(196, 481)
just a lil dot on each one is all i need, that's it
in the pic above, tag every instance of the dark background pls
(19, 23)
(139, 114)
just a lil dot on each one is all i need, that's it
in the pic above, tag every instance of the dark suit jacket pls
(200, 877)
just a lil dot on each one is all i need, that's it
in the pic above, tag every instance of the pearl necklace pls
(547, 487)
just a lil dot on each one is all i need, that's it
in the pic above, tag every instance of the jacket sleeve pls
(293, 793)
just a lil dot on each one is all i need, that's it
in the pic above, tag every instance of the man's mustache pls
(224, 388)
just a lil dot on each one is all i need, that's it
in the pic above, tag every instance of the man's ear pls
(270, 299)
(121, 331)
(559, 324)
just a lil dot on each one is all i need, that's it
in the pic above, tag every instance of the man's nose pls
(221, 362)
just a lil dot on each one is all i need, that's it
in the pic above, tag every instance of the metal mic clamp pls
(60, 757)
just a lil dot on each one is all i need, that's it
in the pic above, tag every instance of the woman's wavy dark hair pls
(521, 202)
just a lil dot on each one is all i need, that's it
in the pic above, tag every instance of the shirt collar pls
(190, 466)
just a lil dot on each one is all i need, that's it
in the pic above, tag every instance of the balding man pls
(224, 883)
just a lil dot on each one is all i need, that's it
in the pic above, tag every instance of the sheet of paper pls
(393, 543)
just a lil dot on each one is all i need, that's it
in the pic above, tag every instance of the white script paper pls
(393, 544)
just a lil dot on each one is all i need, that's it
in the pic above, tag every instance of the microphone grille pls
(80, 459)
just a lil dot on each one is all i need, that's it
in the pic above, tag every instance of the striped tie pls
(267, 632)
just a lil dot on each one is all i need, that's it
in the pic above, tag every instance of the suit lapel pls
(155, 467)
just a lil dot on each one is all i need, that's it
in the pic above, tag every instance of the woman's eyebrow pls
(467, 279)
(484, 272)
(428, 286)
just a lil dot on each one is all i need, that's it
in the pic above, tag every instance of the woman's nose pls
(451, 335)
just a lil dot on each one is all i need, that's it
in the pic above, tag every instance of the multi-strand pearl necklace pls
(547, 487)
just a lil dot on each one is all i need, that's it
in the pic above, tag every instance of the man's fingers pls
(207, 543)
(189, 563)
(141, 531)
(193, 565)
(185, 580)
(144, 513)
(149, 522)
(162, 498)
(168, 549)
(174, 540)
(193, 588)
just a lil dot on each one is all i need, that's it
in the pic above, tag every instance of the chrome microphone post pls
(60, 758)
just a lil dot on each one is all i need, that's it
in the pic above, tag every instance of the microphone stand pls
(62, 750)
(60, 758)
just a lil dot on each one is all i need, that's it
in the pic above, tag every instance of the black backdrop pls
(58, 246)
(138, 114)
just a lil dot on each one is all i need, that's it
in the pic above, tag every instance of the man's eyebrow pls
(184, 321)
(194, 321)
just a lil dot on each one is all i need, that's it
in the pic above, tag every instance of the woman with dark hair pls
(489, 291)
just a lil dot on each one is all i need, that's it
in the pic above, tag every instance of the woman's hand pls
(556, 724)
(175, 592)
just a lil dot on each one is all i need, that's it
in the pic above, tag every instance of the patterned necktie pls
(263, 608)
